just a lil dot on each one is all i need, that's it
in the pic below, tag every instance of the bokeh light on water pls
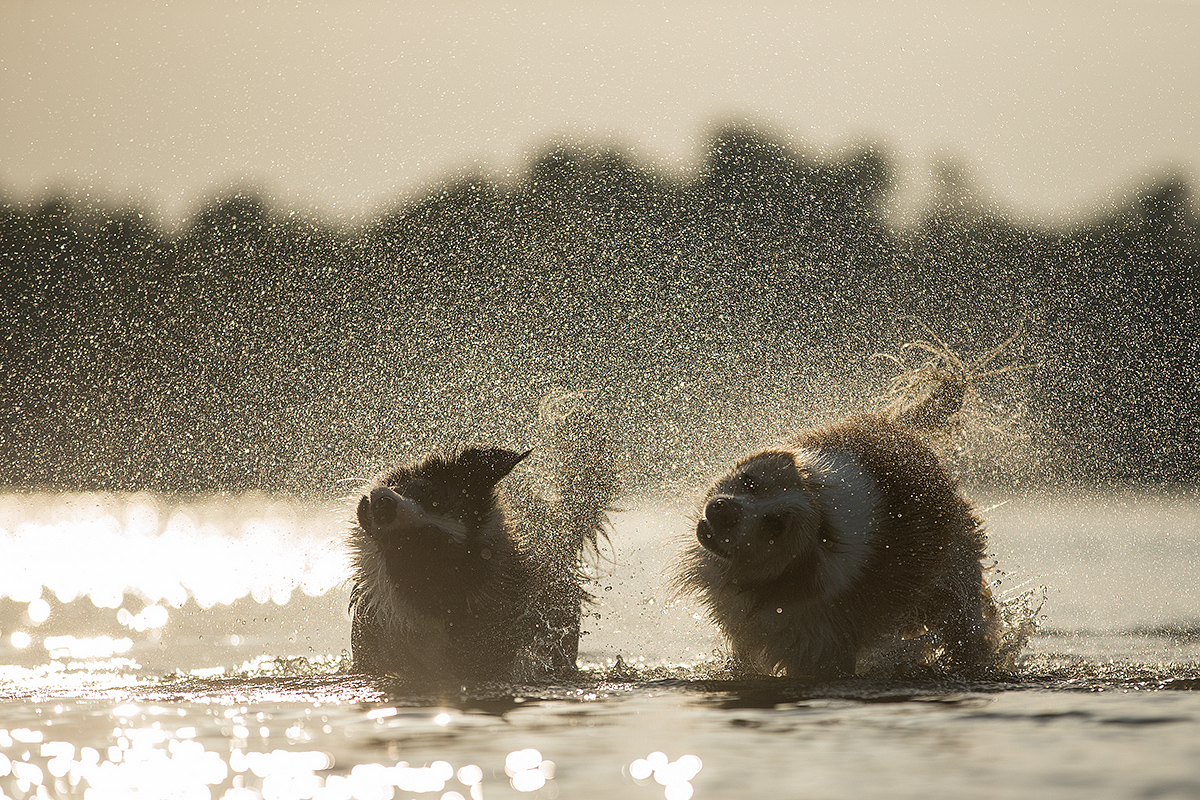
(527, 771)
(188, 751)
(136, 570)
(103, 547)
(674, 776)
(159, 759)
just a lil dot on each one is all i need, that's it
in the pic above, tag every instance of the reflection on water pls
(333, 735)
(174, 585)
(674, 776)
(164, 757)
(212, 552)
(197, 649)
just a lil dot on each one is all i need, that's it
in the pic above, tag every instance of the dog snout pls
(716, 530)
(713, 541)
(723, 513)
(383, 506)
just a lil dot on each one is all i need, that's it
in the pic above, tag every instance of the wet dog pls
(847, 548)
(468, 569)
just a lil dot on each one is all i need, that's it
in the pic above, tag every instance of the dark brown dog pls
(467, 571)
(845, 548)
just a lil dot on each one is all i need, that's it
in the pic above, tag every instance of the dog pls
(467, 569)
(846, 549)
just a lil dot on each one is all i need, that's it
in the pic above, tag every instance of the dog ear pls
(485, 466)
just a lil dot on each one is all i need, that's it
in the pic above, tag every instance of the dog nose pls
(723, 513)
(383, 506)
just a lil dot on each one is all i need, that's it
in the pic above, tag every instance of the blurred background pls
(276, 246)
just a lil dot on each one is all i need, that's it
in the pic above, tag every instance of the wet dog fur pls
(847, 548)
(467, 567)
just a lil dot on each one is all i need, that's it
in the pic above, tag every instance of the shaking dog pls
(468, 568)
(847, 548)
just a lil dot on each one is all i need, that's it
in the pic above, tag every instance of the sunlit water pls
(198, 649)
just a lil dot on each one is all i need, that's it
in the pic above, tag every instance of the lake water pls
(161, 647)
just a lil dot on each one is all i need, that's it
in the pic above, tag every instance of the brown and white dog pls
(466, 571)
(846, 548)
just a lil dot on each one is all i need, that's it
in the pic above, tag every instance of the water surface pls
(197, 648)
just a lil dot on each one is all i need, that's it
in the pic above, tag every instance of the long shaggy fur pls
(845, 549)
(468, 568)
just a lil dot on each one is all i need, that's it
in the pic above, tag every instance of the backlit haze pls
(343, 109)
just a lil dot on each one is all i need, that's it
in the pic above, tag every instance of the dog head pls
(446, 497)
(763, 517)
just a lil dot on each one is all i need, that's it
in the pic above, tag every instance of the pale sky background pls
(343, 108)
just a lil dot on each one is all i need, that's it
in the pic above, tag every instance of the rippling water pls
(198, 649)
